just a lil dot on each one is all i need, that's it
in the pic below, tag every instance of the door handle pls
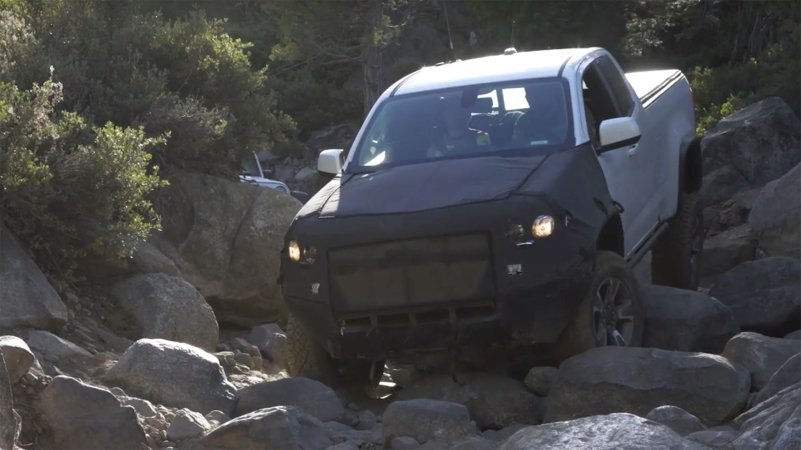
(633, 150)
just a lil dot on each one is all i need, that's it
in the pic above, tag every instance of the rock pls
(787, 375)
(284, 427)
(271, 341)
(504, 433)
(217, 416)
(403, 443)
(169, 308)
(9, 420)
(613, 431)
(676, 419)
(761, 142)
(776, 215)
(714, 437)
(226, 238)
(729, 213)
(366, 420)
(728, 249)
(187, 424)
(142, 407)
(539, 379)
(722, 183)
(314, 397)
(764, 295)
(493, 401)
(306, 174)
(18, 357)
(173, 374)
(426, 420)
(49, 347)
(147, 258)
(636, 380)
(794, 335)
(27, 299)
(761, 355)
(77, 414)
(774, 423)
(467, 443)
(690, 321)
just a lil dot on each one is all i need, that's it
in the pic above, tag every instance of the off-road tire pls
(675, 259)
(582, 333)
(304, 356)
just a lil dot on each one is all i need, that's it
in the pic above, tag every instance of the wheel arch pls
(611, 236)
(691, 170)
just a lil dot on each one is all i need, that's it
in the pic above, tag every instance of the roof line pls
(403, 80)
(562, 67)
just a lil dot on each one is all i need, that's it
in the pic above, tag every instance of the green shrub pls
(70, 189)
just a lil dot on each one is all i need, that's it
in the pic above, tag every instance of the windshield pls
(518, 118)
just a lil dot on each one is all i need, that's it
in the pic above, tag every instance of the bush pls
(70, 189)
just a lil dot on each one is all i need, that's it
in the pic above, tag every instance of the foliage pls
(68, 188)
(123, 63)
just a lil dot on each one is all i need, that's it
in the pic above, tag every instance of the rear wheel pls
(677, 254)
(610, 314)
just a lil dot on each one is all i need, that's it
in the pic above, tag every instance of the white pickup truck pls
(497, 202)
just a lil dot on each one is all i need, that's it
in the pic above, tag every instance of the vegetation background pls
(101, 99)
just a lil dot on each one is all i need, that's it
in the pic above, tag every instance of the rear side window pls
(617, 84)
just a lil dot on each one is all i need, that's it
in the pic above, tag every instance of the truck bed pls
(649, 84)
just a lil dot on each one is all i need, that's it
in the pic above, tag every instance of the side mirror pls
(618, 132)
(330, 161)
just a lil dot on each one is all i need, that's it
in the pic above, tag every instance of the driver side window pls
(598, 102)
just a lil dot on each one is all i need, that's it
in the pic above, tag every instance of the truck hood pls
(431, 185)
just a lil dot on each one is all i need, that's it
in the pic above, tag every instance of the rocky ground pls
(134, 358)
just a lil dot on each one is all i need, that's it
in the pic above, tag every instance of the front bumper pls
(529, 306)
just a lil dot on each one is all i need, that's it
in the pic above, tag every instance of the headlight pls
(304, 255)
(293, 251)
(543, 226)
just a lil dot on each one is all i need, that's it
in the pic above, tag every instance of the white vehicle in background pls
(252, 172)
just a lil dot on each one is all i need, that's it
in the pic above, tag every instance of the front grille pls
(411, 273)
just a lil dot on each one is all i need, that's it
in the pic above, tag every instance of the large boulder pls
(8, 417)
(728, 249)
(284, 427)
(169, 308)
(787, 375)
(26, 299)
(314, 397)
(56, 353)
(690, 321)
(775, 216)
(173, 374)
(226, 238)
(613, 431)
(761, 355)
(77, 415)
(774, 423)
(754, 145)
(427, 420)
(764, 295)
(493, 401)
(636, 380)
(18, 357)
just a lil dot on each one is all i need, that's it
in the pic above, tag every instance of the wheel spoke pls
(618, 339)
(612, 287)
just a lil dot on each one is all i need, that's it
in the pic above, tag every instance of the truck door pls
(623, 167)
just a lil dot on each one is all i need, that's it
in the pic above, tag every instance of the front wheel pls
(611, 313)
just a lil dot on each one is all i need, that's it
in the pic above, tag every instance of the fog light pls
(293, 251)
(543, 226)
